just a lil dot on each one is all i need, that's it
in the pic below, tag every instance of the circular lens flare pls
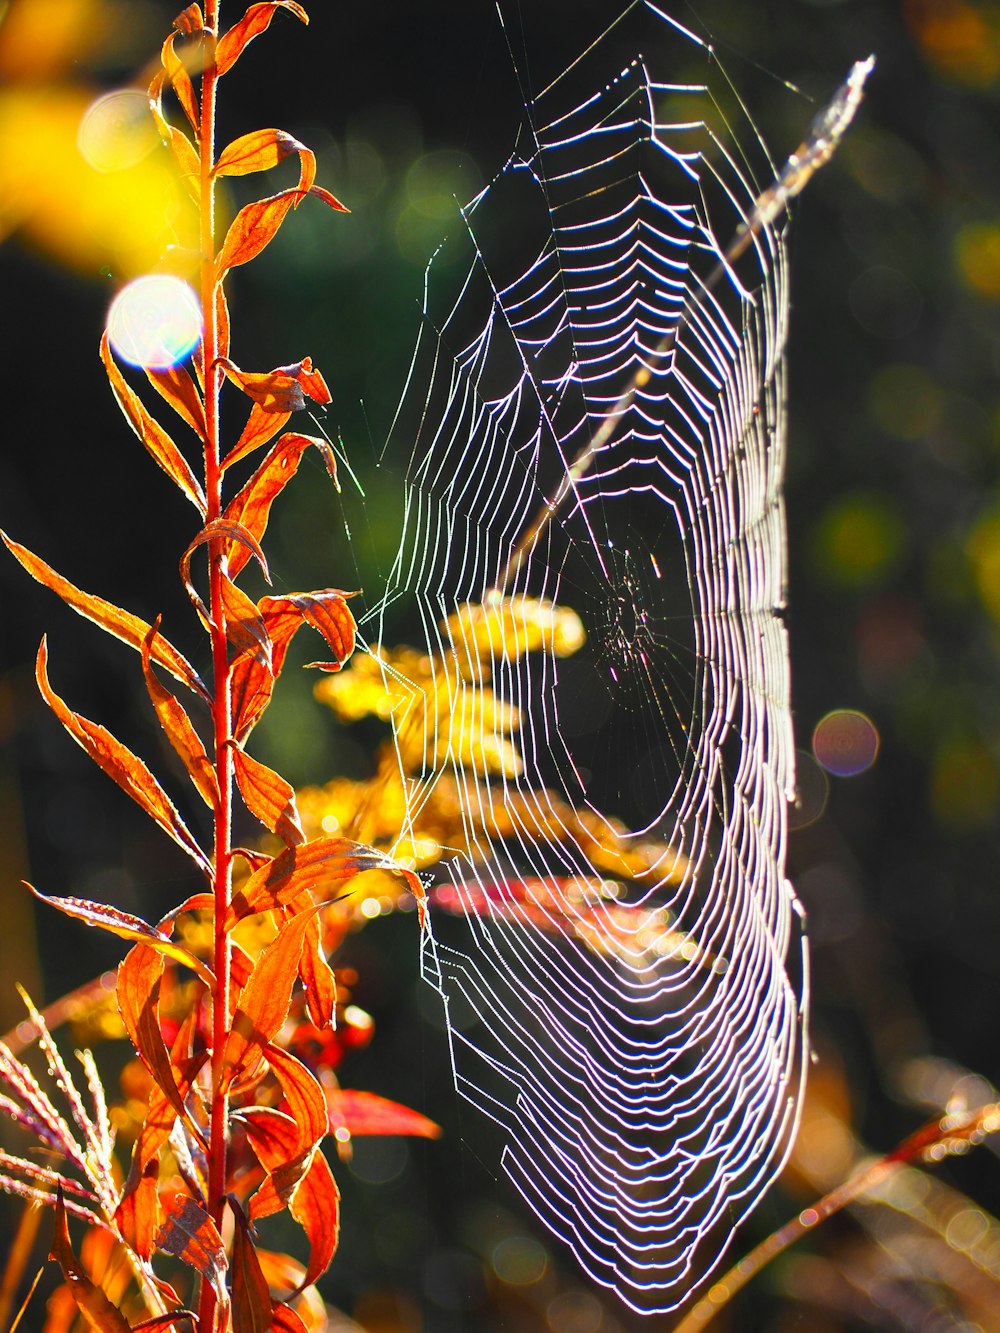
(117, 131)
(154, 322)
(845, 742)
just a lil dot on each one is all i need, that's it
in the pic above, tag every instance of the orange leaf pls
(315, 1206)
(268, 796)
(176, 387)
(303, 1095)
(233, 43)
(326, 611)
(138, 1216)
(261, 426)
(328, 198)
(183, 150)
(282, 1150)
(283, 389)
(140, 974)
(98, 1311)
(189, 21)
(251, 507)
(159, 444)
(245, 627)
(180, 80)
(257, 151)
(251, 1298)
(127, 927)
(177, 725)
(285, 1320)
(252, 687)
(252, 229)
(264, 1000)
(318, 977)
(312, 869)
(190, 1234)
(121, 764)
(366, 1113)
(122, 624)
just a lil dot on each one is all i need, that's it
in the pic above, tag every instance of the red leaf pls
(121, 764)
(159, 444)
(190, 1234)
(318, 978)
(189, 21)
(232, 531)
(233, 43)
(261, 426)
(245, 627)
(122, 624)
(251, 507)
(127, 927)
(177, 725)
(252, 684)
(252, 229)
(315, 1206)
(326, 611)
(98, 1311)
(139, 1216)
(251, 1298)
(257, 151)
(312, 870)
(269, 797)
(264, 1000)
(175, 386)
(365, 1113)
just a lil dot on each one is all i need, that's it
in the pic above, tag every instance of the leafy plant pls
(236, 1066)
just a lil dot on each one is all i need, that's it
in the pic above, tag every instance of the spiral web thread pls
(595, 415)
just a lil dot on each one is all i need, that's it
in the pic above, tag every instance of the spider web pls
(594, 421)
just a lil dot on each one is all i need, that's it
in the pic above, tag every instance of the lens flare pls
(117, 130)
(845, 742)
(154, 322)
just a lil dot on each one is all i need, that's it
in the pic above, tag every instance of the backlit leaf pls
(139, 1215)
(130, 773)
(159, 444)
(315, 869)
(140, 975)
(175, 386)
(264, 1000)
(318, 978)
(190, 1234)
(257, 151)
(251, 1298)
(252, 684)
(285, 1320)
(177, 725)
(326, 611)
(122, 624)
(189, 22)
(283, 389)
(127, 927)
(181, 148)
(98, 1312)
(284, 1152)
(252, 505)
(245, 627)
(269, 797)
(251, 25)
(261, 426)
(304, 1099)
(363, 1113)
(315, 1206)
(180, 80)
(252, 229)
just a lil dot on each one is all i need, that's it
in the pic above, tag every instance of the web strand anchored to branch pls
(594, 419)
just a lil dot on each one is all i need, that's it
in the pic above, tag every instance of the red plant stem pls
(936, 1139)
(221, 708)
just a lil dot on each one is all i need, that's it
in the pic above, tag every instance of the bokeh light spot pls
(977, 254)
(117, 130)
(519, 1261)
(906, 401)
(983, 551)
(859, 540)
(845, 742)
(154, 322)
(574, 1312)
(812, 788)
(965, 786)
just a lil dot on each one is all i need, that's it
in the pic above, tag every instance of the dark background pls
(894, 446)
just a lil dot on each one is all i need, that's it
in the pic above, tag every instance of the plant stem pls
(221, 710)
